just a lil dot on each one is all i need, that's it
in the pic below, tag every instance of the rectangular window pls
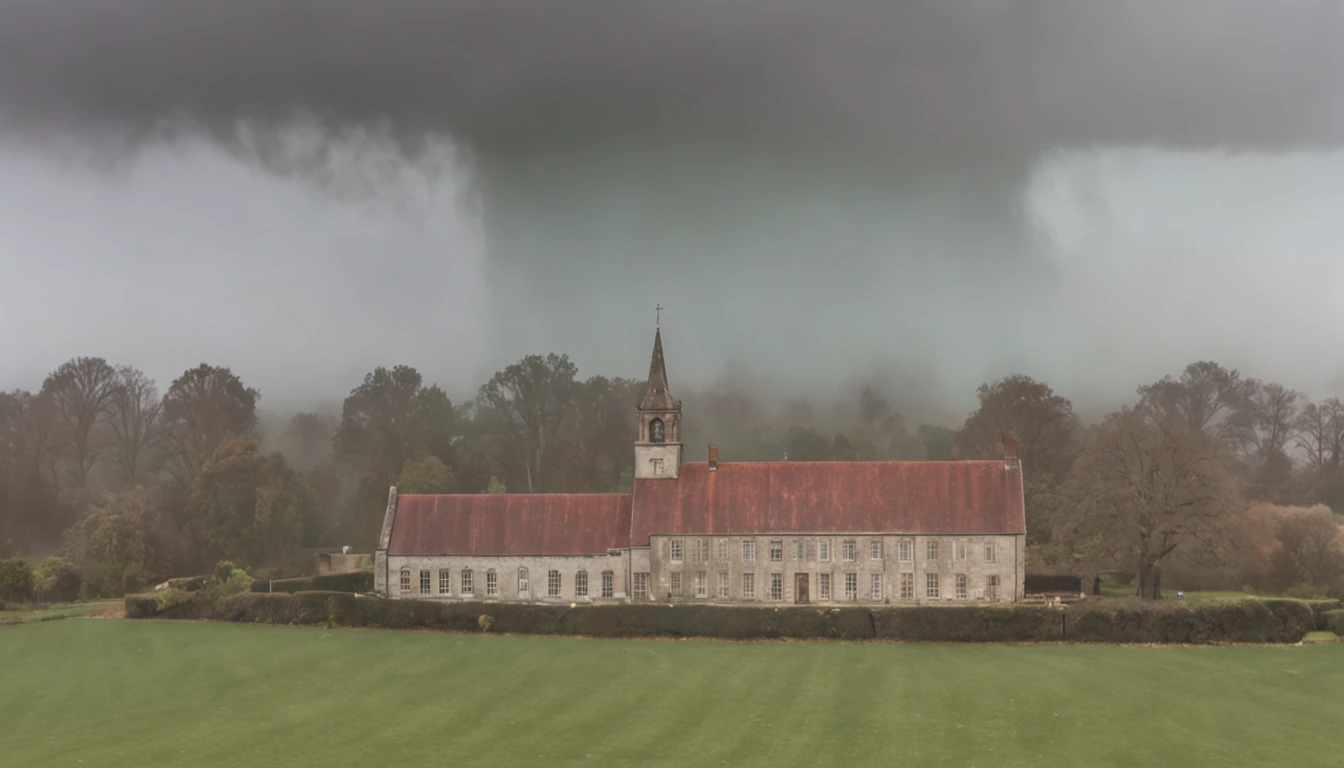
(676, 550)
(553, 584)
(676, 583)
(445, 581)
(723, 584)
(641, 585)
(748, 550)
(776, 586)
(875, 549)
(931, 585)
(811, 551)
(703, 544)
(522, 581)
(723, 549)
(851, 586)
(466, 581)
(961, 586)
(959, 553)
(657, 466)
(824, 551)
(581, 584)
(992, 588)
(907, 586)
(989, 551)
(424, 582)
(931, 551)
(876, 580)
(701, 585)
(850, 551)
(608, 583)
(749, 586)
(823, 586)
(406, 581)
(776, 551)
(797, 550)
(907, 548)
(491, 583)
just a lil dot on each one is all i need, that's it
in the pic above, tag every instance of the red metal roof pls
(929, 497)
(511, 524)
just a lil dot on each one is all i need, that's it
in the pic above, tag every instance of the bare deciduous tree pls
(1147, 485)
(134, 418)
(82, 391)
(1205, 397)
(1320, 433)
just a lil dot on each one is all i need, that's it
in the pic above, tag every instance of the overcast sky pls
(931, 194)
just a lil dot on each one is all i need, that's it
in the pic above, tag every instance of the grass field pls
(146, 693)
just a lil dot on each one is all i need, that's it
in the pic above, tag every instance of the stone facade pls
(678, 572)
(506, 570)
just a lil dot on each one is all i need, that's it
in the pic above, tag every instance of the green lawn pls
(114, 692)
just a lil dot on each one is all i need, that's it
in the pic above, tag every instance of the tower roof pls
(656, 397)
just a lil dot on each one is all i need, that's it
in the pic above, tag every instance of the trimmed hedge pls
(1102, 621)
(1334, 621)
(359, 581)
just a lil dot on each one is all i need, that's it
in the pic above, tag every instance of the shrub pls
(358, 581)
(16, 580)
(1232, 621)
(56, 580)
(1334, 621)
(224, 570)
(290, 586)
(233, 583)
(168, 604)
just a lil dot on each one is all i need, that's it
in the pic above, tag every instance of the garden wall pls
(1099, 621)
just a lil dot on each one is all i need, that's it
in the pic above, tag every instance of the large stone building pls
(908, 533)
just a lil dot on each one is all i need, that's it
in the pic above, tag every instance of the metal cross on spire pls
(658, 309)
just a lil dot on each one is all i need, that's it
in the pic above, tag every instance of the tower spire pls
(656, 397)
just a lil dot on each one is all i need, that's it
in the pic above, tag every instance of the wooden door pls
(800, 588)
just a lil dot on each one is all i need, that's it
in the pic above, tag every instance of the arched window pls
(405, 580)
(656, 431)
(522, 581)
(467, 587)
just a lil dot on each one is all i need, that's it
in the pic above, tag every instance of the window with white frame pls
(722, 549)
(989, 551)
(824, 551)
(581, 584)
(405, 580)
(931, 551)
(797, 550)
(876, 584)
(445, 581)
(851, 586)
(907, 550)
(748, 550)
(522, 581)
(776, 586)
(701, 585)
(849, 551)
(641, 584)
(961, 586)
(776, 551)
(749, 586)
(424, 582)
(960, 552)
(608, 583)
(676, 583)
(811, 550)
(466, 582)
(907, 586)
(823, 586)
(703, 544)
(931, 585)
(723, 584)
(676, 550)
(553, 584)
(875, 549)
(491, 583)
(992, 588)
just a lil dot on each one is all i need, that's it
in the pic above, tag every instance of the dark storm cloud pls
(944, 81)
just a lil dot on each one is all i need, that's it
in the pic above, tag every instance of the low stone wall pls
(1106, 621)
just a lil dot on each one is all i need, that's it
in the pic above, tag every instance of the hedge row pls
(359, 581)
(1334, 622)
(1243, 621)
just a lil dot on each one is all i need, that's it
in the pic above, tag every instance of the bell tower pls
(658, 444)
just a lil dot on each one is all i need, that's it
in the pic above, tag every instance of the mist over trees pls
(1207, 476)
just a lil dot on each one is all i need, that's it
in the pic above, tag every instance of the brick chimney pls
(713, 458)
(1010, 450)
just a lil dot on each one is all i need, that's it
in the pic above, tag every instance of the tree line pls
(130, 485)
